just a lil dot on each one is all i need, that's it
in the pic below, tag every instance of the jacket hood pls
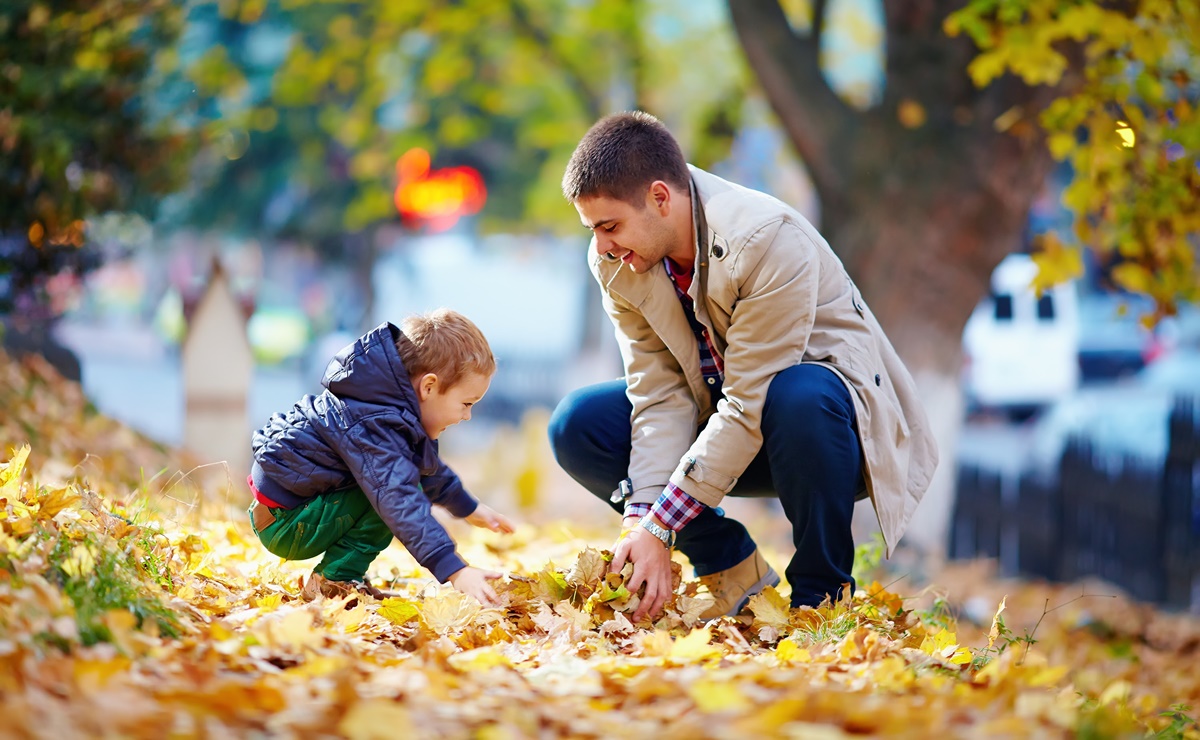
(370, 370)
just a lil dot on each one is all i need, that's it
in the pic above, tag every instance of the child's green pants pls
(341, 524)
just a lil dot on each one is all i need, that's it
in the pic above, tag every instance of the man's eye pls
(610, 229)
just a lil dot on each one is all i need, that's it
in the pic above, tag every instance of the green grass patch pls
(99, 575)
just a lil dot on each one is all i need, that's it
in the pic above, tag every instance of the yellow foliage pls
(1126, 127)
(713, 696)
(789, 652)
(252, 654)
(694, 647)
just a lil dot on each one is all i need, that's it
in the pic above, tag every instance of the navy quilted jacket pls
(365, 430)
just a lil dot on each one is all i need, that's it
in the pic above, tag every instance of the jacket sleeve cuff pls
(702, 483)
(461, 505)
(446, 566)
(646, 494)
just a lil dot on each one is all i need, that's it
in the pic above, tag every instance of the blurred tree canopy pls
(75, 139)
(925, 187)
(317, 101)
(285, 119)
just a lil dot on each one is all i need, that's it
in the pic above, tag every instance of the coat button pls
(712, 381)
(718, 251)
(876, 378)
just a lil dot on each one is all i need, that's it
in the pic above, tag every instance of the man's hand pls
(486, 517)
(474, 582)
(651, 565)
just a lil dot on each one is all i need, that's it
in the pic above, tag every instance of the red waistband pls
(261, 498)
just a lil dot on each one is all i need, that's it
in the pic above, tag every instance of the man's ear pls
(426, 386)
(660, 197)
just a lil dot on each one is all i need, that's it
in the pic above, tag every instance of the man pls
(752, 367)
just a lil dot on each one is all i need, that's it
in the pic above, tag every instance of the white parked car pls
(1021, 349)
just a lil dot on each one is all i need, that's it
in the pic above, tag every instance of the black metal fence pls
(1133, 523)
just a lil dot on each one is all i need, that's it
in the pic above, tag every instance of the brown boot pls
(732, 588)
(319, 585)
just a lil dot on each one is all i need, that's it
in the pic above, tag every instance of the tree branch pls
(788, 68)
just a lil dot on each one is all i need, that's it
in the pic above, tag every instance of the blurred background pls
(202, 201)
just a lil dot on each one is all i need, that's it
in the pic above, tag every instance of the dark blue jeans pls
(810, 459)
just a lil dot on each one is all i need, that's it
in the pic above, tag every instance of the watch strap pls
(665, 535)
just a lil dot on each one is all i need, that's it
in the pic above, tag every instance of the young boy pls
(343, 472)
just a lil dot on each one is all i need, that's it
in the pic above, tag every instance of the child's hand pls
(488, 518)
(474, 582)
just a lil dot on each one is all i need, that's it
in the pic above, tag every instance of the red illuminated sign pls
(436, 199)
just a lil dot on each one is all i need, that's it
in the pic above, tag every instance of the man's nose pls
(604, 246)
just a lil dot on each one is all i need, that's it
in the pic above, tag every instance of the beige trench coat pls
(772, 294)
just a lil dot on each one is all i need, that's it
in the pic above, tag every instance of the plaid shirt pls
(674, 507)
(711, 365)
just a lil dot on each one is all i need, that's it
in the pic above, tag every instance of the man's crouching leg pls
(812, 445)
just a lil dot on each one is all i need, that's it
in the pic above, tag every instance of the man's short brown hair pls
(621, 155)
(445, 343)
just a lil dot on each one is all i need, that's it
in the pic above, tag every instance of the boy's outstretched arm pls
(486, 517)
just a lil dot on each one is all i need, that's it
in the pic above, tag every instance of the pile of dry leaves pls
(118, 617)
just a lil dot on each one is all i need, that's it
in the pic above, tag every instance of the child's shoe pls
(318, 585)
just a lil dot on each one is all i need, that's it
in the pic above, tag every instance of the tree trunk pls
(921, 196)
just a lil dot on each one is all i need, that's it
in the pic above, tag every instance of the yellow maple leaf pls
(270, 602)
(53, 501)
(891, 603)
(93, 675)
(350, 619)
(1116, 692)
(450, 612)
(10, 472)
(787, 651)
(580, 618)
(479, 659)
(892, 674)
(712, 696)
(374, 719)
(656, 644)
(618, 625)
(770, 609)
(694, 647)
(588, 568)
(1048, 676)
(551, 585)
(944, 645)
(319, 666)
(690, 608)
(289, 630)
(398, 611)
(80, 563)
(994, 633)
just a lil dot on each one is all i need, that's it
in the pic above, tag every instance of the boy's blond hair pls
(445, 343)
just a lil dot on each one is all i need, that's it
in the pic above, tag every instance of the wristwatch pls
(667, 536)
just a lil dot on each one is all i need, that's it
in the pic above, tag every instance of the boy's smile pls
(443, 408)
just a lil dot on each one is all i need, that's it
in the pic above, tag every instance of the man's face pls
(444, 407)
(638, 236)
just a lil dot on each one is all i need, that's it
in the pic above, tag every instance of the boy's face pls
(444, 407)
